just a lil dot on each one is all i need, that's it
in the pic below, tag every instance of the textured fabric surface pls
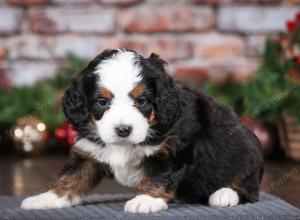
(111, 207)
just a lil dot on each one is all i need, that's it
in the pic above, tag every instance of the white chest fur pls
(124, 160)
(128, 175)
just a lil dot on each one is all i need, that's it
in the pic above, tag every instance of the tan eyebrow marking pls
(106, 93)
(137, 91)
(151, 117)
(146, 186)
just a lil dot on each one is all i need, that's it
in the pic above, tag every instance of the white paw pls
(47, 200)
(223, 197)
(145, 204)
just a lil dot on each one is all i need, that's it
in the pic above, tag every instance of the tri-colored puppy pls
(140, 127)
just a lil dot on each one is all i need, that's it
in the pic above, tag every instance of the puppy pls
(140, 127)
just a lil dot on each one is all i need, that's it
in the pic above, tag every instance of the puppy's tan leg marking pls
(155, 190)
(78, 178)
(150, 198)
(80, 182)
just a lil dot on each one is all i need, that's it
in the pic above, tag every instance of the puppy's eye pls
(103, 103)
(141, 101)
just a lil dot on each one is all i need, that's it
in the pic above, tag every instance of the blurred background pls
(244, 52)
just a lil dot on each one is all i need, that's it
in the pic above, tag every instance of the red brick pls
(214, 46)
(28, 2)
(120, 2)
(212, 2)
(293, 1)
(29, 47)
(72, 19)
(178, 18)
(166, 2)
(239, 70)
(171, 50)
(4, 81)
(168, 49)
(2, 53)
(69, 2)
(83, 46)
(191, 75)
(136, 45)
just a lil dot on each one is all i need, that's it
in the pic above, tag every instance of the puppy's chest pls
(125, 160)
(128, 175)
(125, 163)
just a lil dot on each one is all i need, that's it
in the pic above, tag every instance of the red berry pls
(291, 26)
(246, 119)
(297, 18)
(60, 133)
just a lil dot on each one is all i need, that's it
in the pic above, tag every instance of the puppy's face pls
(122, 98)
(123, 106)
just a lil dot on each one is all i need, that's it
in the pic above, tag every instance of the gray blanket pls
(111, 207)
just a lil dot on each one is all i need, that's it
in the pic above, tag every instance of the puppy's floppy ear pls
(75, 103)
(167, 102)
(156, 61)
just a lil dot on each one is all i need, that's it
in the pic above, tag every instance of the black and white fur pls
(178, 143)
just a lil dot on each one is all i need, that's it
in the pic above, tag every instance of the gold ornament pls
(30, 135)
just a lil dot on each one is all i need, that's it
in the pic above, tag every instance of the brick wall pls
(197, 37)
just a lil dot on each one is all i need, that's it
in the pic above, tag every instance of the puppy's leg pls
(152, 197)
(224, 197)
(78, 177)
(244, 188)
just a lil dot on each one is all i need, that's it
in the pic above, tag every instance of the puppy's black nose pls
(123, 130)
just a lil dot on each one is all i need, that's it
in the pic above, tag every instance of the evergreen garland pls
(40, 100)
(275, 89)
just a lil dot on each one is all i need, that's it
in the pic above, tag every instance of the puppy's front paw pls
(145, 204)
(47, 200)
(224, 197)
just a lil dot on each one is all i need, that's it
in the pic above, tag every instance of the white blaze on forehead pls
(119, 73)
